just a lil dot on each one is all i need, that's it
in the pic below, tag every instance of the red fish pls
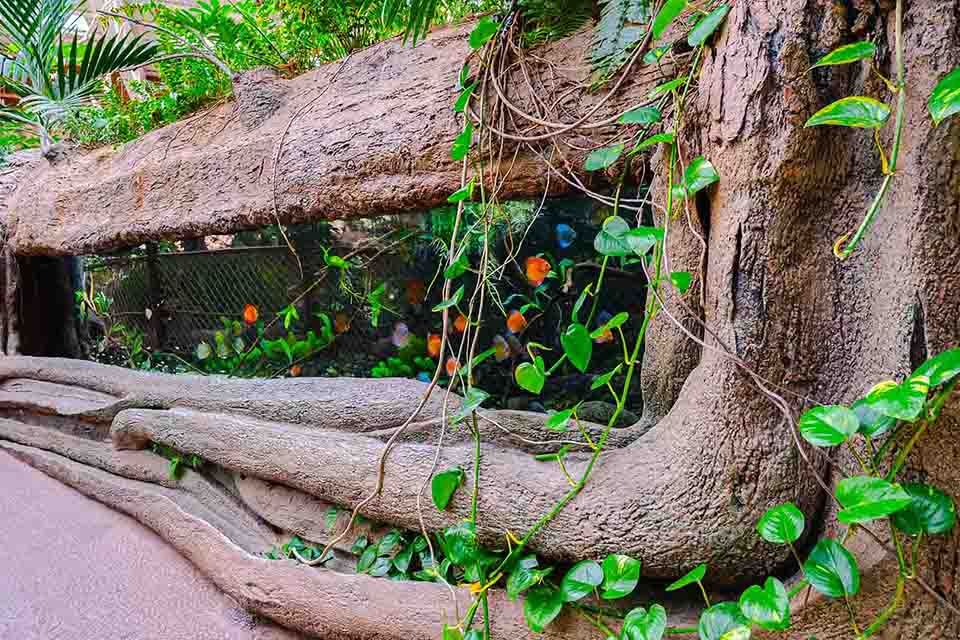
(452, 365)
(416, 291)
(537, 270)
(516, 322)
(434, 340)
(250, 314)
(460, 324)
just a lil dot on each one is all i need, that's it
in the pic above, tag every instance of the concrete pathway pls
(73, 569)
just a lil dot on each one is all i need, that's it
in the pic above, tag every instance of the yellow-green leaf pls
(855, 111)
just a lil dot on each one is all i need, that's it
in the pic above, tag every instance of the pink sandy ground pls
(73, 569)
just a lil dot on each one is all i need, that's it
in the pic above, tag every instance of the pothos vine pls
(880, 430)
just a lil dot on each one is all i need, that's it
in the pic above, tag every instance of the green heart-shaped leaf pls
(782, 524)
(603, 158)
(667, 14)
(645, 625)
(945, 99)
(462, 100)
(855, 111)
(767, 606)
(930, 511)
(577, 345)
(872, 422)
(699, 175)
(681, 280)
(558, 420)
(654, 55)
(694, 575)
(666, 87)
(481, 34)
(462, 143)
(642, 115)
(611, 239)
(707, 25)
(620, 576)
(541, 606)
(832, 570)
(642, 239)
(460, 544)
(864, 499)
(443, 485)
(848, 53)
(940, 369)
(525, 575)
(463, 193)
(828, 426)
(581, 580)
(723, 622)
(603, 380)
(903, 401)
(530, 378)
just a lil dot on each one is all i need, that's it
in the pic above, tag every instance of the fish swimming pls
(452, 365)
(341, 323)
(565, 235)
(250, 314)
(537, 269)
(516, 322)
(607, 336)
(423, 376)
(460, 324)
(416, 291)
(401, 335)
(501, 348)
(434, 340)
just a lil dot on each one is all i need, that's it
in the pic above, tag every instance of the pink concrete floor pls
(73, 569)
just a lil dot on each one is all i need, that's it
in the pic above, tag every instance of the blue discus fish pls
(565, 235)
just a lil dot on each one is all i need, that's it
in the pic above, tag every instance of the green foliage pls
(782, 524)
(695, 575)
(708, 25)
(51, 76)
(603, 158)
(619, 30)
(848, 53)
(832, 570)
(178, 462)
(767, 606)
(581, 580)
(641, 624)
(856, 111)
(864, 499)
(930, 512)
(669, 12)
(828, 426)
(443, 485)
(723, 621)
(945, 99)
(620, 576)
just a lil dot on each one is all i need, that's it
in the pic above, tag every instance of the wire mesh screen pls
(191, 291)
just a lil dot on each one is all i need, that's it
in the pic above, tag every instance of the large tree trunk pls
(719, 453)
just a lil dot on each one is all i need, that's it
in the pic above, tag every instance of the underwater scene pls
(364, 298)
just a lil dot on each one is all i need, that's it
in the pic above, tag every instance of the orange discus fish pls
(516, 322)
(295, 371)
(537, 270)
(460, 324)
(250, 314)
(452, 365)
(341, 323)
(434, 340)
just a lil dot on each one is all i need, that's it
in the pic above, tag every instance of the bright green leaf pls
(463, 193)
(694, 575)
(642, 115)
(581, 580)
(666, 87)
(668, 137)
(668, 13)
(864, 498)
(945, 99)
(767, 606)
(460, 543)
(603, 380)
(848, 53)
(832, 570)
(575, 313)
(654, 55)
(452, 301)
(941, 368)
(524, 575)
(931, 511)
(872, 422)
(707, 25)
(642, 239)
(559, 419)
(699, 175)
(782, 524)
(443, 485)
(481, 34)
(612, 239)
(541, 606)
(529, 378)
(854, 111)
(472, 399)
(577, 345)
(645, 625)
(681, 280)
(620, 576)
(603, 157)
(828, 426)
(723, 622)
(451, 633)
(462, 143)
(464, 98)
(903, 401)
(367, 559)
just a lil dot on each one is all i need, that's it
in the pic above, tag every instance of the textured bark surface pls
(364, 137)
